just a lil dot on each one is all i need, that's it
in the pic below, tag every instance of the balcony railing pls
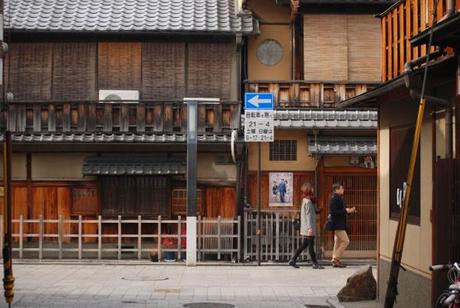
(140, 117)
(399, 23)
(305, 94)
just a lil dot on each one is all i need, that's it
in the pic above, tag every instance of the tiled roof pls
(355, 2)
(112, 138)
(131, 165)
(342, 145)
(218, 16)
(326, 119)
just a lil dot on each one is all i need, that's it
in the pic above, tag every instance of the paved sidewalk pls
(149, 285)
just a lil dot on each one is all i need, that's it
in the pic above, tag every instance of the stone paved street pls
(149, 285)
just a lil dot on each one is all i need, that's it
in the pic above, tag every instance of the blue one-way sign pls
(258, 101)
(258, 117)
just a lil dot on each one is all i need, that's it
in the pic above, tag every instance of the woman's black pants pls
(308, 241)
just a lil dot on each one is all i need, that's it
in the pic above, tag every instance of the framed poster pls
(280, 189)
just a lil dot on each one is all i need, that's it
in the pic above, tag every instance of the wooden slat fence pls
(217, 237)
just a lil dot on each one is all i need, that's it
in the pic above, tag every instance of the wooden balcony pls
(402, 21)
(304, 94)
(140, 117)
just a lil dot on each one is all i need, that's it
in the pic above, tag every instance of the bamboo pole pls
(8, 280)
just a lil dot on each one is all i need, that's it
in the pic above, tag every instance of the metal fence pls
(279, 239)
(83, 238)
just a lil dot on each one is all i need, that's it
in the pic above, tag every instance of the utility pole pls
(192, 145)
(8, 279)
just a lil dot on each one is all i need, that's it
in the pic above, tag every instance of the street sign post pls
(258, 127)
(258, 117)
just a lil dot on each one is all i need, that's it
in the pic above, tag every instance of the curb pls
(334, 303)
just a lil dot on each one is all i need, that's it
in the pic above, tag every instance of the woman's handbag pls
(329, 225)
(297, 223)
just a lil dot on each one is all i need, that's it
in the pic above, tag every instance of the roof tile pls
(219, 16)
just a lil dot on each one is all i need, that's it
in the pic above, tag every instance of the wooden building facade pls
(432, 235)
(312, 55)
(96, 108)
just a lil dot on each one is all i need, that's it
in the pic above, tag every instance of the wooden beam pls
(415, 25)
(168, 117)
(108, 117)
(91, 123)
(51, 118)
(66, 117)
(158, 118)
(124, 118)
(408, 51)
(217, 118)
(423, 21)
(384, 49)
(402, 40)
(140, 117)
(390, 46)
(81, 126)
(201, 118)
(395, 43)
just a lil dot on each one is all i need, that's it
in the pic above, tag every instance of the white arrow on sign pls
(255, 101)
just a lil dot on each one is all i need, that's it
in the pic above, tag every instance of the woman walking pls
(339, 213)
(307, 226)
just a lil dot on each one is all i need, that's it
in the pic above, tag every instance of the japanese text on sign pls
(258, 126)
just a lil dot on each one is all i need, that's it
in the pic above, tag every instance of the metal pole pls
(191, 181)
(258, 205)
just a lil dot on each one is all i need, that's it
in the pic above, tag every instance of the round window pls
(270, 52)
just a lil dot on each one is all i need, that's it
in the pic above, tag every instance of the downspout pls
(408, 79)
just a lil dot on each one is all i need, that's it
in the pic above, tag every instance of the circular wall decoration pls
(269, 52)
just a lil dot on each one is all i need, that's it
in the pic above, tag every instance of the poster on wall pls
(280, 189)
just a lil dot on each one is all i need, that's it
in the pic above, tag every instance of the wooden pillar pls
(29, 184)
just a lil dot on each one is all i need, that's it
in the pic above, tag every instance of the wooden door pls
(446, 220)
(361, 192)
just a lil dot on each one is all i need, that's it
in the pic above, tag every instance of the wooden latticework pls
(29, 68)
(398, 25)
(179, 202)
(209, 70)
(163, 71)
(74, 71)
(360, 192)
(119, 66)
(135, 195)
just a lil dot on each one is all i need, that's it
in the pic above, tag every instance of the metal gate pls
(279, 239)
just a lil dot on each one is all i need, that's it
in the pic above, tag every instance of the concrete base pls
(191, 241)
(414, 289)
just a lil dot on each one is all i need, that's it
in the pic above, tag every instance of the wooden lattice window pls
(401, 139)
(283, 150)
(84, 201)
(179, 202)
(135, 195)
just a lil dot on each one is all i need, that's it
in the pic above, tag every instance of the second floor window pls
(283, 150)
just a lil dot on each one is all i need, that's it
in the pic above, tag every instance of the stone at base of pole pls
(191, 241)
